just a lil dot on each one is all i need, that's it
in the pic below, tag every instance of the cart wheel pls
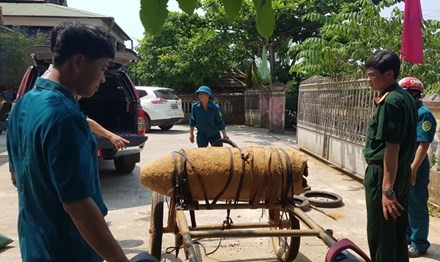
(286, 248)
(156, 225)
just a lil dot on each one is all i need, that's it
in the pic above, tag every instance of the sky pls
(127, 15)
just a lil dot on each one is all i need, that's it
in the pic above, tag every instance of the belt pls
(375, 162)
(380, 163)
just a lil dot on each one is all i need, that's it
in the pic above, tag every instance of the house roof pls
(45, 10)
(232, 78)
(49, 15)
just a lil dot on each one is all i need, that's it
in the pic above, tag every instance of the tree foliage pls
(189, 52)
(13, 59)
(153, 13)
(289, 29)
(349, 37)
(230, 45)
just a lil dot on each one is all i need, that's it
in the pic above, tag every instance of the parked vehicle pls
(115, 106)
(161, 105)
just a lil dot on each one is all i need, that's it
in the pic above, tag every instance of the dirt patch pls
(434, 210)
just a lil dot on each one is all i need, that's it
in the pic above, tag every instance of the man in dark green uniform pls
(389, 151)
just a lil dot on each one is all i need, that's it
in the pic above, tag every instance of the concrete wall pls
(342, 153)
(347, 156)
(434, 187)
(310, 140)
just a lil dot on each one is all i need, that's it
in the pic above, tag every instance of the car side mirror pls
(9, 95)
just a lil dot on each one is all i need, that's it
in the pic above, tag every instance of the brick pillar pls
(265, 106)
(277, 107)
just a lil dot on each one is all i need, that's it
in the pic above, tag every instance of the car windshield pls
(165, 94)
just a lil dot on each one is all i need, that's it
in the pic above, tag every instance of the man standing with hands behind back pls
(418, 227)
(53, 154)
(389, 151)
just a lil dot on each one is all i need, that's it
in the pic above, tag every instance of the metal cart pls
(283, 225)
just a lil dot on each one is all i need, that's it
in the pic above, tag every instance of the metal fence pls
(339, 109)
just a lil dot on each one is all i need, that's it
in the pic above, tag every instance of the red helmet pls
(412, 83)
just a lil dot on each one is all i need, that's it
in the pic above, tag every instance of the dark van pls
(115, 106)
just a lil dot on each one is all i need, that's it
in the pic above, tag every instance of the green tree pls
(189, 52)
(13, 59)
(154, 13)
(349, 37)
(236, 44)
(289, 29)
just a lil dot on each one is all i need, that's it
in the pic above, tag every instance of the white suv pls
(161, 105)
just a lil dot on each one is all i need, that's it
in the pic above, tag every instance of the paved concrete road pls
(129, 205)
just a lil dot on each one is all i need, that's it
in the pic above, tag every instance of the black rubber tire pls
(123, 167)
(301, 202)
(156, 225)
(147, 123)
(165, 128)
(323, 199)
(285, 248)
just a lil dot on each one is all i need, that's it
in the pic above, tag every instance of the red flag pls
(412, 42)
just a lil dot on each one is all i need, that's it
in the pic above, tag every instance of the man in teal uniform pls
(417, 233)
(206, 116)
(389, 151)
(53, 154)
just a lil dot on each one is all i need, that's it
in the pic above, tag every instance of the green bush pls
(291, 105)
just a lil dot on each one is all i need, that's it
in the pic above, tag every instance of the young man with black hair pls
(53, 154)
(116, 140)
(389, 151)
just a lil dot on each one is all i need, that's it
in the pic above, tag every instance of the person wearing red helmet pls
(418, 213)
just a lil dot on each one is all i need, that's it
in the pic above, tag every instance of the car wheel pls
(147, 123)
(124, 167)
(167, 127)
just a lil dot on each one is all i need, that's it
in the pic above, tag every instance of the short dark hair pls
(78, 38)
(383, 61)
(55, 31)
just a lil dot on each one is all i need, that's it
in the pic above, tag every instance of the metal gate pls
(333, 121)
(252, 106)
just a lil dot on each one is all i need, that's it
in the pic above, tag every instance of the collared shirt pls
(426, 127)
(208, 122)
(426, 124)
(394, 121)
(53, 154)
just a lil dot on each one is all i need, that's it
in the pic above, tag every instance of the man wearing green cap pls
(207, 118)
